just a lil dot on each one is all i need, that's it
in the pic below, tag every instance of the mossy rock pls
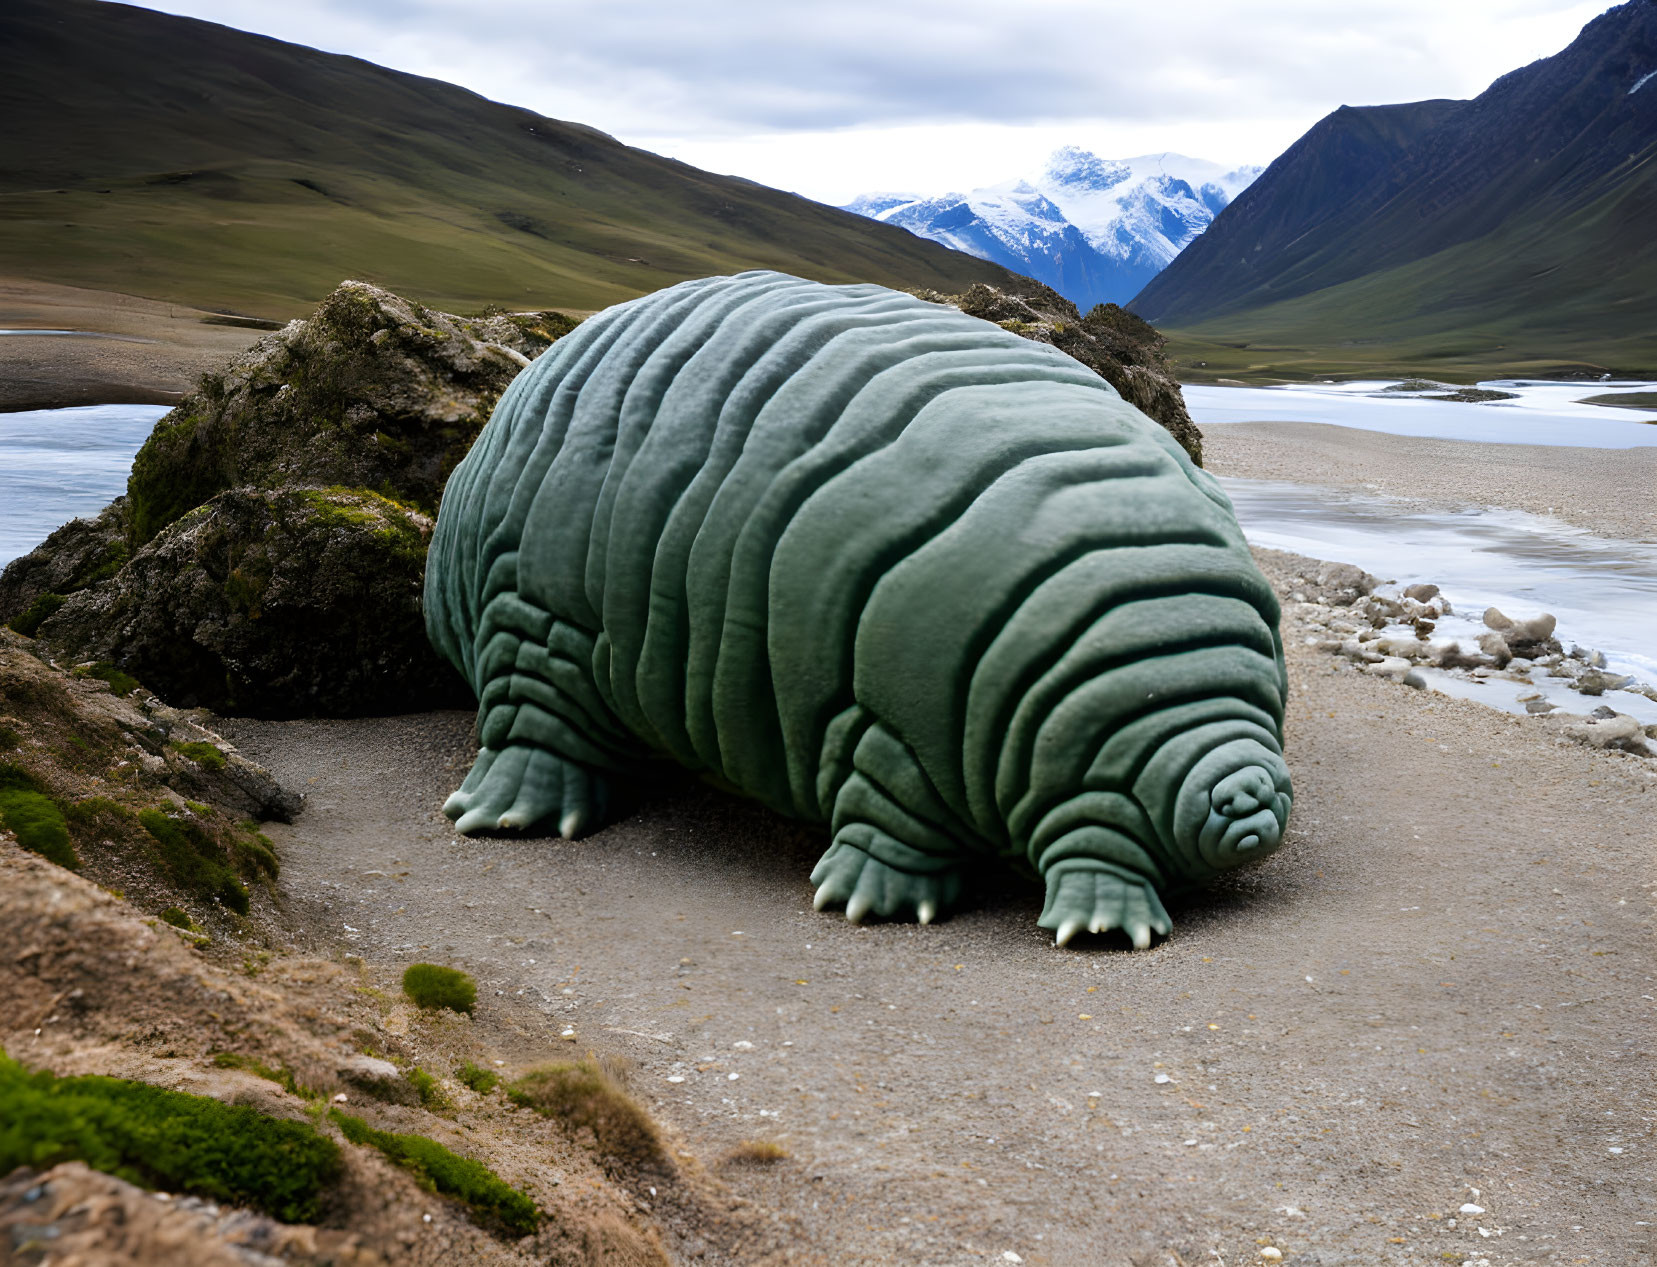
(294, 602)
(81, 553)
(372, 391)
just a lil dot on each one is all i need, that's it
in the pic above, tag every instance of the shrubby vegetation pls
(431, 985)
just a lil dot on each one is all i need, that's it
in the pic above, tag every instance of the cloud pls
(730, 67)
(782, 77)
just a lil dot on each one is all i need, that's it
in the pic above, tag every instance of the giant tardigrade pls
(882, 566)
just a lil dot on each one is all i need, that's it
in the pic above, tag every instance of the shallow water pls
(1543, 413)
(1603, 590)
(57, 464)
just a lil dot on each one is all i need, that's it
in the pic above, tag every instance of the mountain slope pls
(1516, 225)
(1095, 230)
(183, 160)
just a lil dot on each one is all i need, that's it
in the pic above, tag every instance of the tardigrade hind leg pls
(1084, 895)
(514, 788)
(890, 856)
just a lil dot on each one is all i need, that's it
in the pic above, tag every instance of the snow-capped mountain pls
(1095, 230)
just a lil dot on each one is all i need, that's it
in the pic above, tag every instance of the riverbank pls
(1611, 492)
(123, 349)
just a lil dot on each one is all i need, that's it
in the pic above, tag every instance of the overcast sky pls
(836, 99)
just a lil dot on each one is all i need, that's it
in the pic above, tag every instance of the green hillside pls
(1581, 304)
(181, 160)
(1510, 233)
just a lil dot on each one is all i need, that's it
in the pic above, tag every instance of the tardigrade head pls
(1232, 807)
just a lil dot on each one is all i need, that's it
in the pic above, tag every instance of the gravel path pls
(1444, 983)
(1612, 492)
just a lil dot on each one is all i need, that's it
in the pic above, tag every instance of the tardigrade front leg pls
(1098, 897)
(890, 858)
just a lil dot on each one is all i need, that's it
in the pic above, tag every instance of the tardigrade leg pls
(514, 788)
(549, 738)
(1084, 895)
(866, 870)
(890, 859)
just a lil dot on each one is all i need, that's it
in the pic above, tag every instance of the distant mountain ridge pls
(183, 160)
(1095, 230)
(1522, 222)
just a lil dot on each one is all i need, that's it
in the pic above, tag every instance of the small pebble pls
(742, 1044)
(675, 1078)
(1011, 1257)
(1162, 1077)
(1470, 1208)
(1272, 1254)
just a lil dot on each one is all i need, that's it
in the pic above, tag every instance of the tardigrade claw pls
(868, 886)
(1099, 897)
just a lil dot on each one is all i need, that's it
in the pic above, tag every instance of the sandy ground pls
(1441, 992)
(1612, 492)
(144, 352)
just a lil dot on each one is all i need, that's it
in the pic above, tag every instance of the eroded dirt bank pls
(1440, 993)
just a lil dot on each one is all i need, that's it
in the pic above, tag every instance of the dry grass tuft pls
(757, 1152)
(586, 1097)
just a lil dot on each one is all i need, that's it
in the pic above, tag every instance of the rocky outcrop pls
(1121, 348)
(81, 553)
(373, 391)
(269, 553)
(279, 603)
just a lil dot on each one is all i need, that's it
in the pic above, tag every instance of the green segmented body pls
(882, 566)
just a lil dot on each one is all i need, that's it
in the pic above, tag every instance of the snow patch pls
(1642, 82)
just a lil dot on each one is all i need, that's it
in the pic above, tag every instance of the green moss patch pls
(29, 621)
(34, 817)
(481, 1080)
(431, 985)
(255, 852)
(492, 1201)
(584, 1096)
(428, 1088)
(120, 682)
(165, 1139)
(193, 859)
(178, 919)
(208, 756)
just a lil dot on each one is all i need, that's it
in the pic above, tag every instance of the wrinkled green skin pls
(882, 566)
